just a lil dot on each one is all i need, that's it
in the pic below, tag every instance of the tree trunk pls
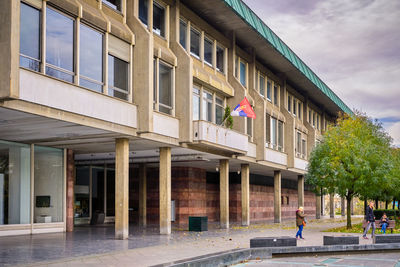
(393, 204)
(386, 204)
(376, 204)
(348, 198)
(365, 207)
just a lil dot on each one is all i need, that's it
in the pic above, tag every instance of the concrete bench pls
(380, 239)
(282, 241)
(391, 225)
(340, 240)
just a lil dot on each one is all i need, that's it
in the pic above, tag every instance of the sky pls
(352, 45)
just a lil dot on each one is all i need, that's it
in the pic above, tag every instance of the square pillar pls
(165, 190)
(331, 206)
(300, 189)
(70, 190)
(121, 188)
(142, 195)
(277, 196)
(245, 171)
(224, 193)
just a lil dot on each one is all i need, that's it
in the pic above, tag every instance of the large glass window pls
(30, 37)
(276, 96)
(97, 190)
(49, 185)
(110, 182)
(249, 126)
(115, 4)
(289, 103)
(220, 58)
(182, 33)
(207, 106)
(195, 42)
(82, 192)
(196, 104)
(273, 132)
(118, 77)
(243, 73)
(15, 183)
(163, 87)
(262, 85)
(280, 135)
(144, 11)
(59, 45)
(299, 109)
(91, 59)
(158, 19)
(208, 51)
(219, 110)
(269, 85)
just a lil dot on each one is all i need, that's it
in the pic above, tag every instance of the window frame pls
(211, 42)
(223, 58)
(184, 22)
(163, 21)
(112, 6)
(194, 29)
(127, 92)
(156, 87)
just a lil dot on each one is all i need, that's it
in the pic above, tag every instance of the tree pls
(352, 160)
(227, 119)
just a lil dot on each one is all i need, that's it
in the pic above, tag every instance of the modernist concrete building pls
(115, 107)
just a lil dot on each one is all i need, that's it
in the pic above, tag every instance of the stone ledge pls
(282, 241)
(382, 239)
(341, 240)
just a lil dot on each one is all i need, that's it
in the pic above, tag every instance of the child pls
(384, 222)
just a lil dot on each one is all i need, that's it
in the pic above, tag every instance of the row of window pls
(294, 106)
(314, 119)
(159, 18)
(207, 105)
(265, 85)
(301, 145)
(58, 58)
(275, 140)
(163, 87)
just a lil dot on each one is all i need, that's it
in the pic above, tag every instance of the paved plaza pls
(96, 246)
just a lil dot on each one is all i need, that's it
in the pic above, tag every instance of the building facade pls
(116, 107)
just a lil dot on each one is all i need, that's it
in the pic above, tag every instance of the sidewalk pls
(183, 244)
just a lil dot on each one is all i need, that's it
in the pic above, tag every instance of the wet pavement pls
(95, 245)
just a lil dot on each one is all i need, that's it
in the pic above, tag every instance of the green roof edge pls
(240, 8)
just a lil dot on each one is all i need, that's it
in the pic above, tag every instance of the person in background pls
(384, 223)
(370, 218)
(299, 222)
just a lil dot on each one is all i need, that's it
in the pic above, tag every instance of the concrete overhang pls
(252, 34)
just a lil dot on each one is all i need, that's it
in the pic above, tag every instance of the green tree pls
(228, 120)
(352, 160)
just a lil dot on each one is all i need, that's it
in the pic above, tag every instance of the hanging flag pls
(244, 110)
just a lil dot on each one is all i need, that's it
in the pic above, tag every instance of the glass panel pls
(118, 77)
(196, 104)
(299, 109)
(165, 87)
(115, 4)
(309, 116)
(59, 74)
(91, 85)
(182, 33)
(97, 190)
(219, 114)
(273, 132)
(143, 10)
(280, 135)
(118, 94)
(91, 57)
(298, 143)
(303, 147)
(207, 106)
(208, 48)
(249, 126)
(194, 42)
(82, 192)
(269, 90)
(155, 96)
(275, 95)
(262, 85)
(49, 184)
(289, 103)
(110, 192)
(243, 73)
(59, 42)
(220, 59)
(15, 183)
(30, 37)
(294, 107)
(158, 19)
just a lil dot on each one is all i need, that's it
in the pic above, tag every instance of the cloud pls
(394, 131)
(353, 46)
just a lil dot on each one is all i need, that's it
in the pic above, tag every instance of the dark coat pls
(299, 217)
(384, 220)
(369, 214)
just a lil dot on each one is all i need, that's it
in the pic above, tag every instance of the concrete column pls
(318, 207)
(343, 206)
(142, 195)
(245, 171)
(70, 190)
(331, 206)
(165, 190)
(121, 188)
(300, 190)
(224, 193)
(277, 196)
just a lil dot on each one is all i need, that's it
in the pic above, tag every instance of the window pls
(298, 144)
(303, 148)
(280, 135)
(289, 104)
(30, 38)
(269, 85)
(249, 125)
(144, 11)
(115, 4)
(196, 104)
(195, 42)
(91, 59)
(314, 119)
(299, 109)
(294, 107)
(275, 94)
(163, 87)
(220, 58)
(219, 110)
(318, 121)
(59, 45)
(309, 116)
(207, 106)
(273, 133)
(243, 73)
(158, 19)
(277, 134)
(118, 78)
(262, 85)
(182, 33)
(208, 51)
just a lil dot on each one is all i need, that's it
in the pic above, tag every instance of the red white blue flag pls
(244, 110)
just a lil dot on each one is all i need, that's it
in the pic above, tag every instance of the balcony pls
(275, 156)
(214, 136)
(300, 164)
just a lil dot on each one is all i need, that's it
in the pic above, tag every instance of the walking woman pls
(300, 222)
